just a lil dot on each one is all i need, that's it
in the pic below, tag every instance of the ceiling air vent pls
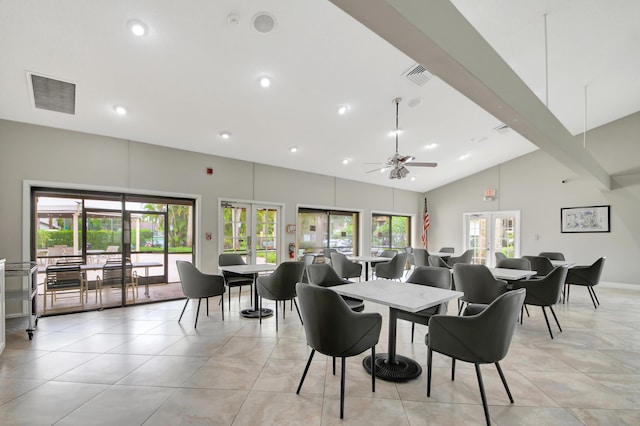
(502, 129)
(53, 95)
(418, 74)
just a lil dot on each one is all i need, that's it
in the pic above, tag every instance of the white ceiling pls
(195, 75)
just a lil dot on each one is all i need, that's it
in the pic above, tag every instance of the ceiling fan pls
(399, 163)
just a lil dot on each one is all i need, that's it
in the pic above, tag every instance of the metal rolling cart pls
(27, 292)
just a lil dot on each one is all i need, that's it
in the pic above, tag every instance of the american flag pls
(425, 225)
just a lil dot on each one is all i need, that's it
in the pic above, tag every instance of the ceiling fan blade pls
(406, 159)
(416, 164)
(378, 169)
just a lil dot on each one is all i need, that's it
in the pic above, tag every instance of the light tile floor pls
(138, 366)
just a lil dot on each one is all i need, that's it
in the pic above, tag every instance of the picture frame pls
(585, 219)
(291, 228)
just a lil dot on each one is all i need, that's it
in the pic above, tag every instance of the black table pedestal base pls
(254, 313)
(401, 370)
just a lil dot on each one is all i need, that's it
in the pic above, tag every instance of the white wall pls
(36, 153)
(532, 184)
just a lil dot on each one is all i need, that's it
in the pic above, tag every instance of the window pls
(390, 232)
(319, 229)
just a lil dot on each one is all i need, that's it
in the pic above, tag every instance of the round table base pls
(254, 313)
(401, 370)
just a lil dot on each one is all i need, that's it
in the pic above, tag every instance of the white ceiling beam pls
(436, 35)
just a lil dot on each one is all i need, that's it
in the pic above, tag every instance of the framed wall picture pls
(291, 229)
(585, 219)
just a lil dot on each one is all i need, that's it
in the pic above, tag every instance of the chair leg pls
(504, 382)
(429, 360)
(413, 328)
(197, 313)
(299, 316)
(342, 385)
(593, 290)
(222, 300)
(207, 306)
(260, 310)
(334, 365)
(547, 321)
(185, 307)
(526, 310)
(373, 368)
(306, 369)
(277, 315)
(556, 318)
(460, 308)
(284, 308)
(592, 294)
(482, 394)
(453, 369)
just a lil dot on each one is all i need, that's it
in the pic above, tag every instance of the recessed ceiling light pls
(225, 135)
(343, 109)
(413, 178)
(120, 110)
(431, 145)
(137, 28)
(382, 170)
(265, 81)
(293, 149)
(345, 161)
(463, 157)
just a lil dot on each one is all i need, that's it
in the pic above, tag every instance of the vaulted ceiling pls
(502, 78)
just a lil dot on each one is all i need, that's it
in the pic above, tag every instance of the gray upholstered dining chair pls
(421, 257)
(466, 257)
(281, 286)
(541, 264)
(514, 263)
(477, 338)
(586, 276)
(324, 275)
(432, 277)
(477, 283)
(437, 262)
(327, 254)
(552, 255)
(500, 256)
(333, 329)
(196, 285)
(307, 259)
(393, 269)
(344, 267)
(233, 279)
(544, 292)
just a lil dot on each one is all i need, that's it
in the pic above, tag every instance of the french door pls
(251, 230)
(487, 233)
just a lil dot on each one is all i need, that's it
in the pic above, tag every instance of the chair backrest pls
(547, 290)
(112, 273)
(466, 257)
(446, 250)
(230, 259)
(281, 284)
(514, 263)
(477, 283)
(63, 276)
(324, 275)
(344, 266)
(392, 269)
(307, 259)
(587, 276)
(541, 264)
(420, 257)
(410, 259)
(389, 253)
(331, 327)
(481, 338)
(499, 256)
(437, 262)
(432, 277)
(70, 261)
(552, 255)
(195, 284)
(327, 254)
